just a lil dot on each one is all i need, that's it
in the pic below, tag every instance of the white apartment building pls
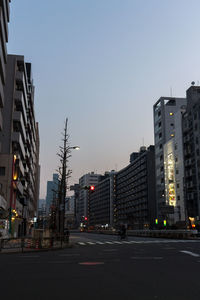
(165, 126)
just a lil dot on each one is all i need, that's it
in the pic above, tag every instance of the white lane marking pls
(146, 257)
(90, 243)
(81, 243)
(109, 243)
(99, 243)
(126, 242)
(190, 253)
(116, 242)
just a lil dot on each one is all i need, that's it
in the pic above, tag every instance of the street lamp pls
(75, 147)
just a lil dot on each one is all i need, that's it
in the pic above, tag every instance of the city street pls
(101, 267)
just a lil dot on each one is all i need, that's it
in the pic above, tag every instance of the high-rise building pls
(164, 130)
(4, 19)
(191, 148)
(52, 192)
(174, 173)
(135, 191)
(85, 180)
(19, 158)
(101, 201)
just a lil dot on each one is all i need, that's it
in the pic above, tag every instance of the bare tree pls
(64, 174)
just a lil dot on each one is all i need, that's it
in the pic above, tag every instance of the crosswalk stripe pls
(136, 242)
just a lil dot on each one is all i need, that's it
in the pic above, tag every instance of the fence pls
(32, 244)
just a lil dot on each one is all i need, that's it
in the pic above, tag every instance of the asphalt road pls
(135, 269)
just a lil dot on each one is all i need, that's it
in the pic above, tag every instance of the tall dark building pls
(191, 148)
(101, 201)
(4, 19)
(135, 191)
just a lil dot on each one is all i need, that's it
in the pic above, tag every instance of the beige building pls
(19, 158)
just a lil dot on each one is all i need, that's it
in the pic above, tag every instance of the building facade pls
(174, 173)
(19, 158)
(82, 205)
(164, 130)
(101, 201)
(191, 148)
(135, 191)
(52, 192)
(4, 19)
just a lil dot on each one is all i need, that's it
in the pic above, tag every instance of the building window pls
(160, 146)
(178, 197)
(177, 172)
(2, 171)
(160, 135)
(159, 113)
(172, 134)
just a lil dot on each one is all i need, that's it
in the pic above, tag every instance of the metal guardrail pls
(177, 234)
(31, 244)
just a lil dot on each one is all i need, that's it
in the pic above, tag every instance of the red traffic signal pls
(85, 218)
(92, 188)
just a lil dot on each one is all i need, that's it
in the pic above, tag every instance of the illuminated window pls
(172, 134)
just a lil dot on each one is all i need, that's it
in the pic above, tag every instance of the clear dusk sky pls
(103, 64)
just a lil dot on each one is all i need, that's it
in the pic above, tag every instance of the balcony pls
(16, 138)
(17, 116)
(21, 167)
(21, 102)
(20, 187)
(21, 81)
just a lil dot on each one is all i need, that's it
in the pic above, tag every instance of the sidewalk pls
(31, 246)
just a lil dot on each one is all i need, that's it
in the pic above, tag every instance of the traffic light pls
(88, 187)
(165, 223)
(85, 218)
(156, 221)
